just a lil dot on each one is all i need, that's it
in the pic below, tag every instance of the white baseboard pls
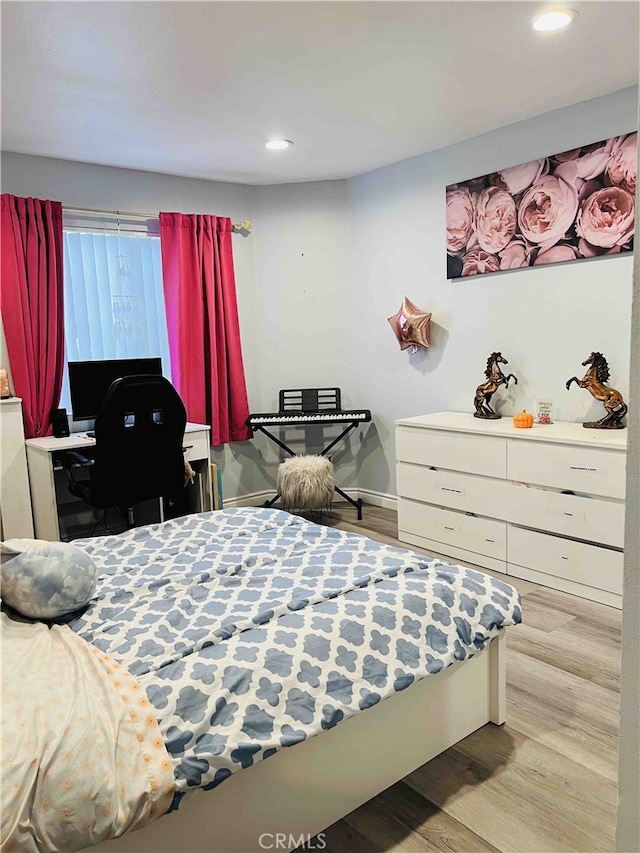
(252, 499)
(386, 501)
(368, 497)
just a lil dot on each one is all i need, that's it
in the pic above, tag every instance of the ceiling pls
(194, 88)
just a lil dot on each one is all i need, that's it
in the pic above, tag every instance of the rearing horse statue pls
(485, 392)
(593, 381)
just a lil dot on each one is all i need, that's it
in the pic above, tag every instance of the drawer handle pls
(570, 514)
(582, 468)
(445, 489)
(449, 528)
(489, 540)
(565, 558)
(188, 447)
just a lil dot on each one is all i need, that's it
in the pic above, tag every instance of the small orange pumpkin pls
(523, 420)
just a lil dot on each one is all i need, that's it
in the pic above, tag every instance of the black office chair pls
(138, 454)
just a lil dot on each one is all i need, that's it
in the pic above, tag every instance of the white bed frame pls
(301, 791)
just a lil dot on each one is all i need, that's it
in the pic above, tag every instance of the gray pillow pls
(46, 580)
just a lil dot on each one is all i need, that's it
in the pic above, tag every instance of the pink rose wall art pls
(570, 206)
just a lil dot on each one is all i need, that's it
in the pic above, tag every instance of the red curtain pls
(32, 305)
(202, 320)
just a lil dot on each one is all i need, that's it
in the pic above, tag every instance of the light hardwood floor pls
(545, 781)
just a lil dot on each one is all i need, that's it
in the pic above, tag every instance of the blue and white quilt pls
(252, 629)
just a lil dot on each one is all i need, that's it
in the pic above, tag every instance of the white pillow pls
(46, 580)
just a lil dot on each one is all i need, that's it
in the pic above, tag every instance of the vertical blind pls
(113, 299)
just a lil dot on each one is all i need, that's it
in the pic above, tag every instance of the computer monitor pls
(89, 381)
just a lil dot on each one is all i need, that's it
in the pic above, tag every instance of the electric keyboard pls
(302, 418)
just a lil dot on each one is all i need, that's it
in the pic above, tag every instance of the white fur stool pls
(306, 482)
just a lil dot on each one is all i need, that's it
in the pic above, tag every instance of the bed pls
(249, 631)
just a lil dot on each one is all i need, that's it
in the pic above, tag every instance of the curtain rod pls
(244, 225)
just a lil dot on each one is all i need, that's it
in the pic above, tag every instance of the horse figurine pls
(593, 381)
(485, 392)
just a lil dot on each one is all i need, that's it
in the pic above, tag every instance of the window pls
(114, 303)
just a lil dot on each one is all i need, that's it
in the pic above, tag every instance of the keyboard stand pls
(349, 428)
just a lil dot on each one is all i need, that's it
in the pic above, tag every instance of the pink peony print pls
(568, 206)
(518, 178)
(495, 219)
(478, 262)
(591, 165)
(459, 219)
(586, 250)
(556, 254)
(515, 255)
(623, 166)
(573, 154)
(588, 187)
(606, 218)
(547, 211)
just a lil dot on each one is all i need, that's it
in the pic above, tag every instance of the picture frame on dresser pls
(544, 504)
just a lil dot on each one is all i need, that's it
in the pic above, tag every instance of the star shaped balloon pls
(411, 326)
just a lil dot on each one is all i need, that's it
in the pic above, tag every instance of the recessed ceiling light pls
(553, 20)
(278, 144)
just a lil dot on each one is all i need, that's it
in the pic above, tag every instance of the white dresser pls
(15, 500)
(545, 504)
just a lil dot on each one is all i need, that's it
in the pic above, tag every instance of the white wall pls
(628, 829)
(302, 305)
(545, 320)
(302, 287)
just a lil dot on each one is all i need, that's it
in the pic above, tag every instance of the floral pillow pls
(46, 580)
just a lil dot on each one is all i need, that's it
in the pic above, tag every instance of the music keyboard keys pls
(301, 418)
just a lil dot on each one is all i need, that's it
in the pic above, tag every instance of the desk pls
(41, 458)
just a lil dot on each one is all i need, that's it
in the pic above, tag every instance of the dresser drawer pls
(463, 492)
(196, 445)
(479, 535)
(597, 472)
(456, 451)
(563, 558)
(579, 517)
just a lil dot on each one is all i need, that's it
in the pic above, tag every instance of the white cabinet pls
(545, 504)
(473, 454)
(567, 560)
(582, 469)
(15, 500)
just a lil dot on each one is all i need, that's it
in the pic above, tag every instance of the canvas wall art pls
(566, 207)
